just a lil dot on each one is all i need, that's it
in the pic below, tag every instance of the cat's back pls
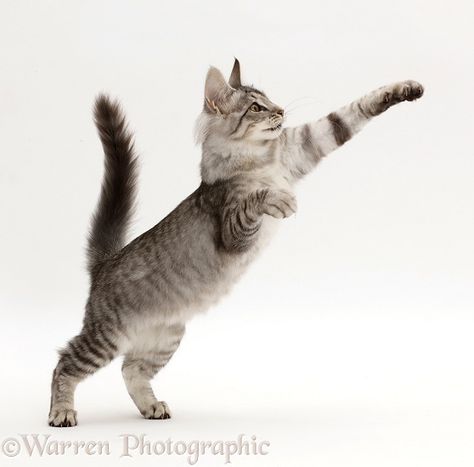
(189, 228)
(175, 263)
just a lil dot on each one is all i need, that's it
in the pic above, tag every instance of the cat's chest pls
(273, 178)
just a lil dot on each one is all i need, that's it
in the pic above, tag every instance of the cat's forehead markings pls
(252, 91)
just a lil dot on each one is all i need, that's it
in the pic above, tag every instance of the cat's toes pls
(279, 204)
(411, 90)
(62, 418)
(157, 411)
(404, 91)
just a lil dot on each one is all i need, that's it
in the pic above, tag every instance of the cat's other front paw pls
(279, 204)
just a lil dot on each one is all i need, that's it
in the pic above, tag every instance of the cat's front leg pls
(304, 146)
(242, 218)
(344, 123)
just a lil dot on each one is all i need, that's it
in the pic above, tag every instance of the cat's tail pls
(117, 197)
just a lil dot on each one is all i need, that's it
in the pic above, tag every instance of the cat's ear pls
(234, 79)
(216, 91)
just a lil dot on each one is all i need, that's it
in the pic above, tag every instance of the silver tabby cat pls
(142, 293)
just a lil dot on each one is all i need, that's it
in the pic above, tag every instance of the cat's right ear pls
(216, 91)
(234, 79)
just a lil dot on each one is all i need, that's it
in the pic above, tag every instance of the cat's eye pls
(255, 107)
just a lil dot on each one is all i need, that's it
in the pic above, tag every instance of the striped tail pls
(117, 198)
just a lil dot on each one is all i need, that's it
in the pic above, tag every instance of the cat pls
(142, 293)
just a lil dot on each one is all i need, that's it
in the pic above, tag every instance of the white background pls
(350, 341)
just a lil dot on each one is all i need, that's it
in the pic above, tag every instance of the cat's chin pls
(274, 128)
(273, 133)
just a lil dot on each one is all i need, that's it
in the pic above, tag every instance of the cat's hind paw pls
(157, 411)
(62, 417)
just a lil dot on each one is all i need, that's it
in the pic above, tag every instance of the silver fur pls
(143, 293)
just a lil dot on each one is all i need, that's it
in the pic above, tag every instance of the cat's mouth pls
(274, 128)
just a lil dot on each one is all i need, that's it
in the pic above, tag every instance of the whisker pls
(297, 103)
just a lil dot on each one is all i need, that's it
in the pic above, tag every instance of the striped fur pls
(113, 213)
(143, 293)
(304, 146)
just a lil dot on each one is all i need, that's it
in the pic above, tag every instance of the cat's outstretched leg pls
(143, 362)
(86, 353)
(304, 146)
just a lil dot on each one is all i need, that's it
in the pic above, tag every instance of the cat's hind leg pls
(150, 354)
(92, 349)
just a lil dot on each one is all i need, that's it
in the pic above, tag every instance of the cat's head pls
(238, 113)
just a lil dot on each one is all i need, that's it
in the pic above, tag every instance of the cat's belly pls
(229, 268)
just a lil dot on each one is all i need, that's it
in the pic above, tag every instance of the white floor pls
(316, 388)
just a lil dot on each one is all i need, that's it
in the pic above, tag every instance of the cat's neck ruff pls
(222, 159)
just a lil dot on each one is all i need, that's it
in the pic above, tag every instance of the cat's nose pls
(280, 112)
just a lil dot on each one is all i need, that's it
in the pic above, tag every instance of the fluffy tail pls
(117, 198)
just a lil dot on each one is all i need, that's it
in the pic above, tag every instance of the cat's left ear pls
(234, 79)
(217, 91)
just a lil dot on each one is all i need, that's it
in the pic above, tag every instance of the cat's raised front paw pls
(403, 91)
(411, 90)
